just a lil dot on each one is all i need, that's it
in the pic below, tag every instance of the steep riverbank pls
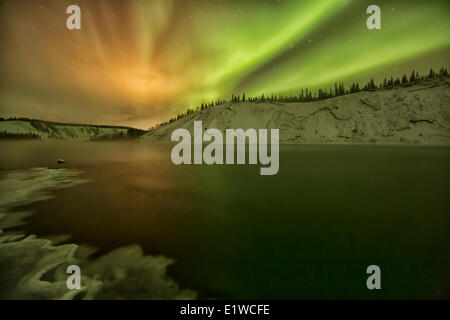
(417, 113)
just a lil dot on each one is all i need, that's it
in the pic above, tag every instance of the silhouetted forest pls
(18, 136)
(131, 133)
(306, 95)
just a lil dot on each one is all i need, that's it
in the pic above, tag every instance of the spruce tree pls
(413, 76)
(404, 79)
(431, 74)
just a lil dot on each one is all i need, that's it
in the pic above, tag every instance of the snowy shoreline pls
(35, 268)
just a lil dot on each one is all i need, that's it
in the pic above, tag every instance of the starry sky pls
(138, 63)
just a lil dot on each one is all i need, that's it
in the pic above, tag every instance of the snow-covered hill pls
(414, 113)
(50, 130)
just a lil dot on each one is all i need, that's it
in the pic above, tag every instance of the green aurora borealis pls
(139, 62)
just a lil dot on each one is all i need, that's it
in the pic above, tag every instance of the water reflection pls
(308, 232)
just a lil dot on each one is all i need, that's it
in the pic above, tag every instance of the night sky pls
(140, 62)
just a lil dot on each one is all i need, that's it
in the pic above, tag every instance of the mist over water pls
(308, 232)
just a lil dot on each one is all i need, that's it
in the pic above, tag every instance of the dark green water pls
(308, 232)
